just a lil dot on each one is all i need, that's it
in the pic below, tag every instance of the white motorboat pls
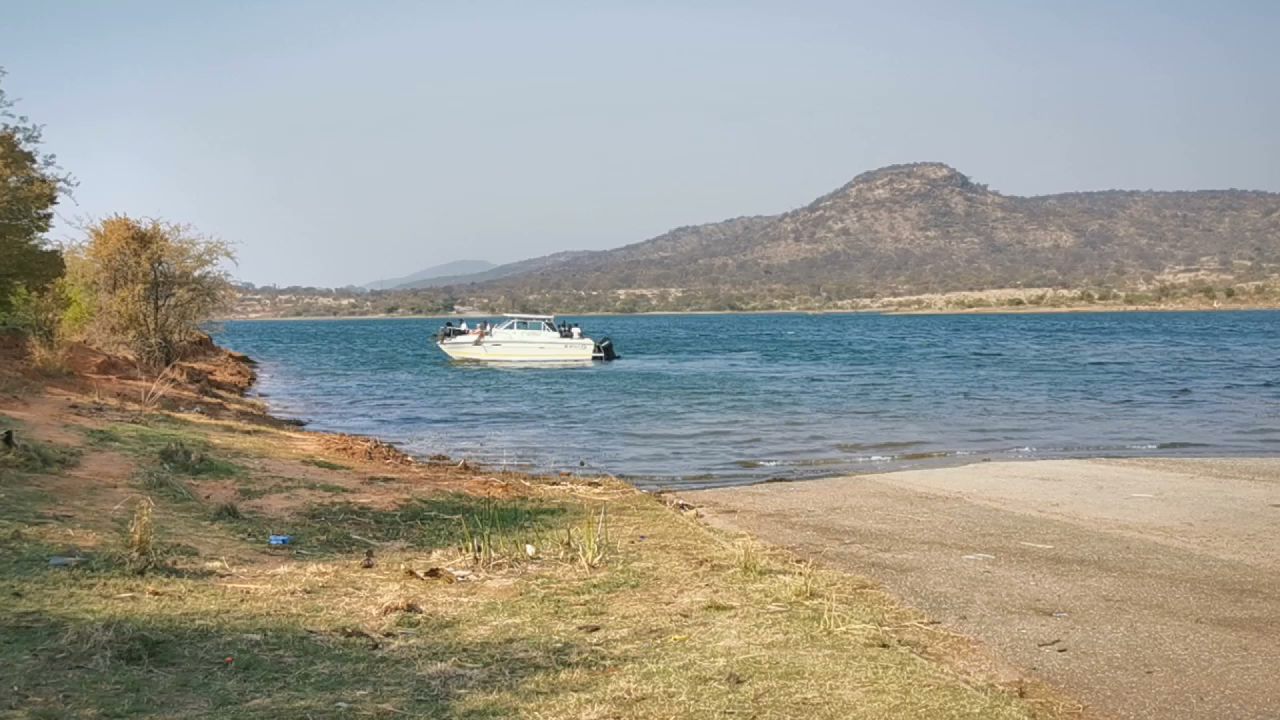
(523, 338)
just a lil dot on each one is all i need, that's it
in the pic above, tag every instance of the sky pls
(341, 142)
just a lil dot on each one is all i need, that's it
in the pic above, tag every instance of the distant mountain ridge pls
(434, 276)
(917, 228)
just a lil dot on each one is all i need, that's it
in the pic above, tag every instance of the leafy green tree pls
(30, 186)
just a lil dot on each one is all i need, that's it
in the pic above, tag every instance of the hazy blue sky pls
(339, 142)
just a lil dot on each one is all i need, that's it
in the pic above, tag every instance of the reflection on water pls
(715, 399)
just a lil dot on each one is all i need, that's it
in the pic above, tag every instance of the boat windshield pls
(525, 324)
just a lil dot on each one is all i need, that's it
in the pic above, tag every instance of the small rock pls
(59, 561)
(435, 573)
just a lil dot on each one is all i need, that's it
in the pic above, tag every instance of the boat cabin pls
(535, 323)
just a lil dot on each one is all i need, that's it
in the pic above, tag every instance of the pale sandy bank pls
(1145, 588)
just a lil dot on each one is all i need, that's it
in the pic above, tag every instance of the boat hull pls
(515, 351)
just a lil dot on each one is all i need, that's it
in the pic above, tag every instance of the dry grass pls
(47, 357)
(590, 543)
(635, 611)
(805, 584)
(142, 554)
(747, 558)
(154, 393)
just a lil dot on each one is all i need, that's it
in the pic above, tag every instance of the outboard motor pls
(605, 349)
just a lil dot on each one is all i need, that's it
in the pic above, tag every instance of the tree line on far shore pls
(138, 285)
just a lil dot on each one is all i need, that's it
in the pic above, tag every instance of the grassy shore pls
(138, 582)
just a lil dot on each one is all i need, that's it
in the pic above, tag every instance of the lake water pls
(703, 400)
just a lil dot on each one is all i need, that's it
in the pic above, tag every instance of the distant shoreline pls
(1011, 310)
(1078, 309)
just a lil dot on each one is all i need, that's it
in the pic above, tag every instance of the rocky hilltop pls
(927, 228)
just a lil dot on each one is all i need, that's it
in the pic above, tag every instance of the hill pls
(435, 275)
(916, 229)
(919, 236)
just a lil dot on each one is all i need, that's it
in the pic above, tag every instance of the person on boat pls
(576, 331)
(463, 326)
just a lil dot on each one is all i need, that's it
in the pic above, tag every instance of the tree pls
(153, 284)
(30, 185)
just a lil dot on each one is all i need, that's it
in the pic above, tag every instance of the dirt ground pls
(1144, 588)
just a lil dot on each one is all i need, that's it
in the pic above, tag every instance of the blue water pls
(724, 399)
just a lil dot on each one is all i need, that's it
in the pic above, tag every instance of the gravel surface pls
(1143, 588)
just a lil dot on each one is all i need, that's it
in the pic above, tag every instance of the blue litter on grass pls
(280, 540)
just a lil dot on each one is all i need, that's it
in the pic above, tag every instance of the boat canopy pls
(518, 316)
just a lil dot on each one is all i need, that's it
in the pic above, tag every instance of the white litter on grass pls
(1035, 545)
(979, 556)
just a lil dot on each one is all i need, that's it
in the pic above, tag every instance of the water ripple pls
(721, 399)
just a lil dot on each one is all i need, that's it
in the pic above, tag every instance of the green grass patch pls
(180, 457)
(164, 483)
(31, 456)
(325, 464)
(485, 527)
(37, 457)
(257, 489)
(23, 550)
(227, 511)
(177, 450)
(253, 488)
(140, 439)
